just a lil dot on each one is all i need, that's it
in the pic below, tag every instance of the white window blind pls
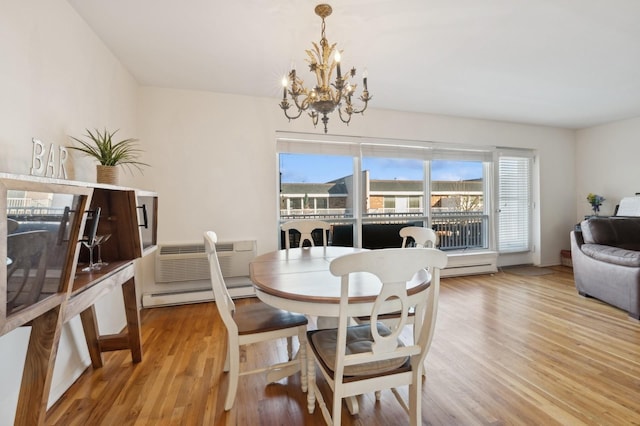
(514, 204)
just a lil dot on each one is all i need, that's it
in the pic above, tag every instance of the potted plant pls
(109, 154)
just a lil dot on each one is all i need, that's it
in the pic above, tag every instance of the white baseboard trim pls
(239, 288)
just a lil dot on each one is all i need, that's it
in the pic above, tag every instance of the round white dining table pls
(299, 280)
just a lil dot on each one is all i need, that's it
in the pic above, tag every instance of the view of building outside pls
(318, 186)
(393, 191)
(457, 204)
(393, 187)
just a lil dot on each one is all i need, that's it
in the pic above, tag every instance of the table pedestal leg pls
(352, 404)
(326, 322)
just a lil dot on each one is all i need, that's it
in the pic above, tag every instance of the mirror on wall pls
(39, 225)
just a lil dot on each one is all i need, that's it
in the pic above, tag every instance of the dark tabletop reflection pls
(38, 226)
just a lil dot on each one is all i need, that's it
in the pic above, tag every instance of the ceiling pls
(565, 63)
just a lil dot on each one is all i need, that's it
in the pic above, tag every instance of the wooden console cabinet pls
(42, 282)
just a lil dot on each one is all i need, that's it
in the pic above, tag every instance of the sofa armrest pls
(577, 238)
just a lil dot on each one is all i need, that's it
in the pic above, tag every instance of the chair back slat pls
(305, 227)
(422, 237)
(390, 291)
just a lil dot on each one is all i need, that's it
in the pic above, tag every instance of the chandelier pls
(325, 97)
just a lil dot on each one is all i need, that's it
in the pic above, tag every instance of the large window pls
(369, 191)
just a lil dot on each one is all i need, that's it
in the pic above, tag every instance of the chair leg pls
(302, 355)
(290, 347)
(415, 401)
(311, 382)
(234, 372)
(313, 394)
(336, 413)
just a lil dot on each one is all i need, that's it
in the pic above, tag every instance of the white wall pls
(214, 162)
(56, 79)
(607, 164)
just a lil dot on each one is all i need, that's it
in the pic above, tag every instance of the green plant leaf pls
(101, 147)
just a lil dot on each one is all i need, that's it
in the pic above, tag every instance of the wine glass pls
(103, 239)
(90, 245)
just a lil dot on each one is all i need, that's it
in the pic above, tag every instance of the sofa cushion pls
(612, 231)
(615, 255)
(598, 230)
(630, 246)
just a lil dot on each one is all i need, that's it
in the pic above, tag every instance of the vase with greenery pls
(596, 201)
(101, 146)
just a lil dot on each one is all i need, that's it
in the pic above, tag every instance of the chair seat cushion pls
(359, 340)
(260, 317)
(614, 255)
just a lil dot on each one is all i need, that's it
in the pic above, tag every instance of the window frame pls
(357, 148)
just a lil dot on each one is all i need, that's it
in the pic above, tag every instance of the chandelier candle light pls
(325, 97)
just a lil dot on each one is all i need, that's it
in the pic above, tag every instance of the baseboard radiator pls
(470, 263)
(182, 272)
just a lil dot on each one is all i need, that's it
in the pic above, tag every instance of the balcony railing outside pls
(461, 230)
(456, 229)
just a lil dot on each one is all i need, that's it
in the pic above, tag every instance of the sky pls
(296, 168)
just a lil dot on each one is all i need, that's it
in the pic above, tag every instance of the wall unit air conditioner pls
(182, 272)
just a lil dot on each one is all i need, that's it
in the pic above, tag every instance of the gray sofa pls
(606, 261)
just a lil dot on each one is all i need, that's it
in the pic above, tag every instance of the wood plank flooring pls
(508, 350)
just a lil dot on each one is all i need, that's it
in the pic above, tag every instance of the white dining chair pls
(422, 237)
(252, 323)
(357, 359)
(412, 236)
(305, 228)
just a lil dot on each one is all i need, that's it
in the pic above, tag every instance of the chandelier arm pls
(360, 111)
(291, 117)
(285, 105)
(342, 118)
(365, 99)
(314, 118)
(302, 106)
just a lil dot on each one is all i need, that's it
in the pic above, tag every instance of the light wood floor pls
(508, 350)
